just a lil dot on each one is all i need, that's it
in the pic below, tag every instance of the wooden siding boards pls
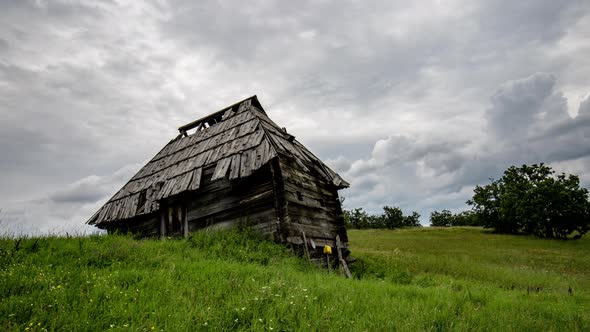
(243, 168)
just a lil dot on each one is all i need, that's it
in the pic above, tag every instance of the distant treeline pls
(446, 218)
(529, 200)
(392, 217)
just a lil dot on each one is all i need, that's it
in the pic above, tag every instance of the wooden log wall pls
(224, 203)
(312, 206)
(144, 226)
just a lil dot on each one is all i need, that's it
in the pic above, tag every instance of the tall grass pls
(433, 280)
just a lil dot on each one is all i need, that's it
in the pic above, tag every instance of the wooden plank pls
(184, 222)
(162, 224)
(213, 156)
(221, 168)
(258, 196)
(245, 168)
(343, 266)
(202, 158)
(245, 105)
(104, 212)
(258, 154)
(181, 184)
(280, 205)
(305, 249)
(311, 213)
(228, 114)
(196, 179)
(235, 166)
(168, 185)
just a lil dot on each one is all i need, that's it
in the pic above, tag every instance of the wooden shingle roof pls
(236, 141)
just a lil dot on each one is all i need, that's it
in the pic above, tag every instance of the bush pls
(532, 200)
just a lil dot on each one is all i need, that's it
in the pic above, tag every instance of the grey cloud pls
(85, 190)
(425, 173)
(393, 94)
(516, 104)
(584, 108)
(66, 209)
(526, 21)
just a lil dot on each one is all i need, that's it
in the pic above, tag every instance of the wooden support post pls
(278, 192)
(163, 224)
(305, 249)
(184, 222)
(171, 220)
(180, 220)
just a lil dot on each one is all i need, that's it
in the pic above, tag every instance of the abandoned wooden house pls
(235, 166)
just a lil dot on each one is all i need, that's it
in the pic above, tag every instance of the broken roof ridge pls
(183, 129)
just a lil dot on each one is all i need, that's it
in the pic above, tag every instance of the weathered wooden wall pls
(222, 203)
(312, 205)
(282, 200)
(145, 226)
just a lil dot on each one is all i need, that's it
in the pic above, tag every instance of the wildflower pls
(236, 320)
(270, 328)
(153, 327)
(206, 324)
(260, 320)
(243, 308)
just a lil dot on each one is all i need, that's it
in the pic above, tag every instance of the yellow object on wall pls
(327, 250)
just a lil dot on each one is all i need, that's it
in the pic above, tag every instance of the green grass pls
(407, 280)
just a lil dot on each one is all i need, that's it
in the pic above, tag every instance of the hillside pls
(413, 279)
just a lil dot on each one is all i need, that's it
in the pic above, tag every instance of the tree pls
(356, 218)
(441, 219)
(533, 200)
(412, 220)
(392, 217)
(466, 218)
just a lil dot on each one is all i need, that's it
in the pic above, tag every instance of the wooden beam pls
(163, 223)
(184, 222)
(219, 113)
(343, 266)
(171, 219)
(279, 202)
(305, 249)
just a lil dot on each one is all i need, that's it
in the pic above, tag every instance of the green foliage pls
(441, 219)
(532, 200)
(446, 218)
(391, 218)
(409, 279)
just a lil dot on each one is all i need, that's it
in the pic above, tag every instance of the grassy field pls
(409, 280)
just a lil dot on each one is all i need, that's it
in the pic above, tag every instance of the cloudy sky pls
(413, 102)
